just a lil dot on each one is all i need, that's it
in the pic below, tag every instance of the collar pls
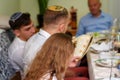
(21, 41)
(102, 14)
(44, 33)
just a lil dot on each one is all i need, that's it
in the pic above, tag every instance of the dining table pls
(97, 72)
(102, 72)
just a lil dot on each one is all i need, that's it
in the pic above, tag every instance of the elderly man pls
(94, 21)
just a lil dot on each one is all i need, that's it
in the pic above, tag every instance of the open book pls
(82, 44)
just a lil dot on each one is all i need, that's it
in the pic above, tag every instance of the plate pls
(100, 40)
(93, 51)
(107, 62)
(99, 34)
(111, 79)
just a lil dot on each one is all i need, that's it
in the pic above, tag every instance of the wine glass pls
(117, 46)
(112, 51)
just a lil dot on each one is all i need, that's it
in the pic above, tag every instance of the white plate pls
(111, 79)
(106, 62)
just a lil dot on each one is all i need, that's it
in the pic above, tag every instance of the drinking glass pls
(112, 51)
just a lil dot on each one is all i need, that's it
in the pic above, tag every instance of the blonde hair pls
(52, 58)
(54, 14)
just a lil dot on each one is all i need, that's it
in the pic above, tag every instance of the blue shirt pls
(89, 23)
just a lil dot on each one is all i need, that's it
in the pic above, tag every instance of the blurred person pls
(94, 21)
(49, 63)
(23, 28)
(6, 69)
(74, 70)
(56, 20)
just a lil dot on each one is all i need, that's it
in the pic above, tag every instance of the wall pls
(7, 7)
(114, 9)
(30, 6)
(80, 5)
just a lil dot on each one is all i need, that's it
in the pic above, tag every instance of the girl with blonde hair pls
(53, 59)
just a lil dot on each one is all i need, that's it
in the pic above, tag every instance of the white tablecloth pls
(95, 71)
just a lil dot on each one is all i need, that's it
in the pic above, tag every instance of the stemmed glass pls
(114, 37)
(117, 48)
(111, 47)
(114, 49)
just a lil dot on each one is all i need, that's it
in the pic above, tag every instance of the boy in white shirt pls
(23, 28)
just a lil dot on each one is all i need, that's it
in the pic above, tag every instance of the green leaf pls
(42, 6)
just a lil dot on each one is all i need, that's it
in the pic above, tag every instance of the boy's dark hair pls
(19, 19)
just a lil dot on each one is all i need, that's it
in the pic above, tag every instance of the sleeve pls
(26, 58)
(110, 21)
(80, 30)
(16, 59)
(30, 51)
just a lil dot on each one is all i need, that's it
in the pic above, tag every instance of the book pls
(82, 45)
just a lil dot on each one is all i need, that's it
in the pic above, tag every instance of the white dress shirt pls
(15, 53)
(32, 46)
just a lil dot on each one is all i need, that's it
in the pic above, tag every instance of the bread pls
(82, 44)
